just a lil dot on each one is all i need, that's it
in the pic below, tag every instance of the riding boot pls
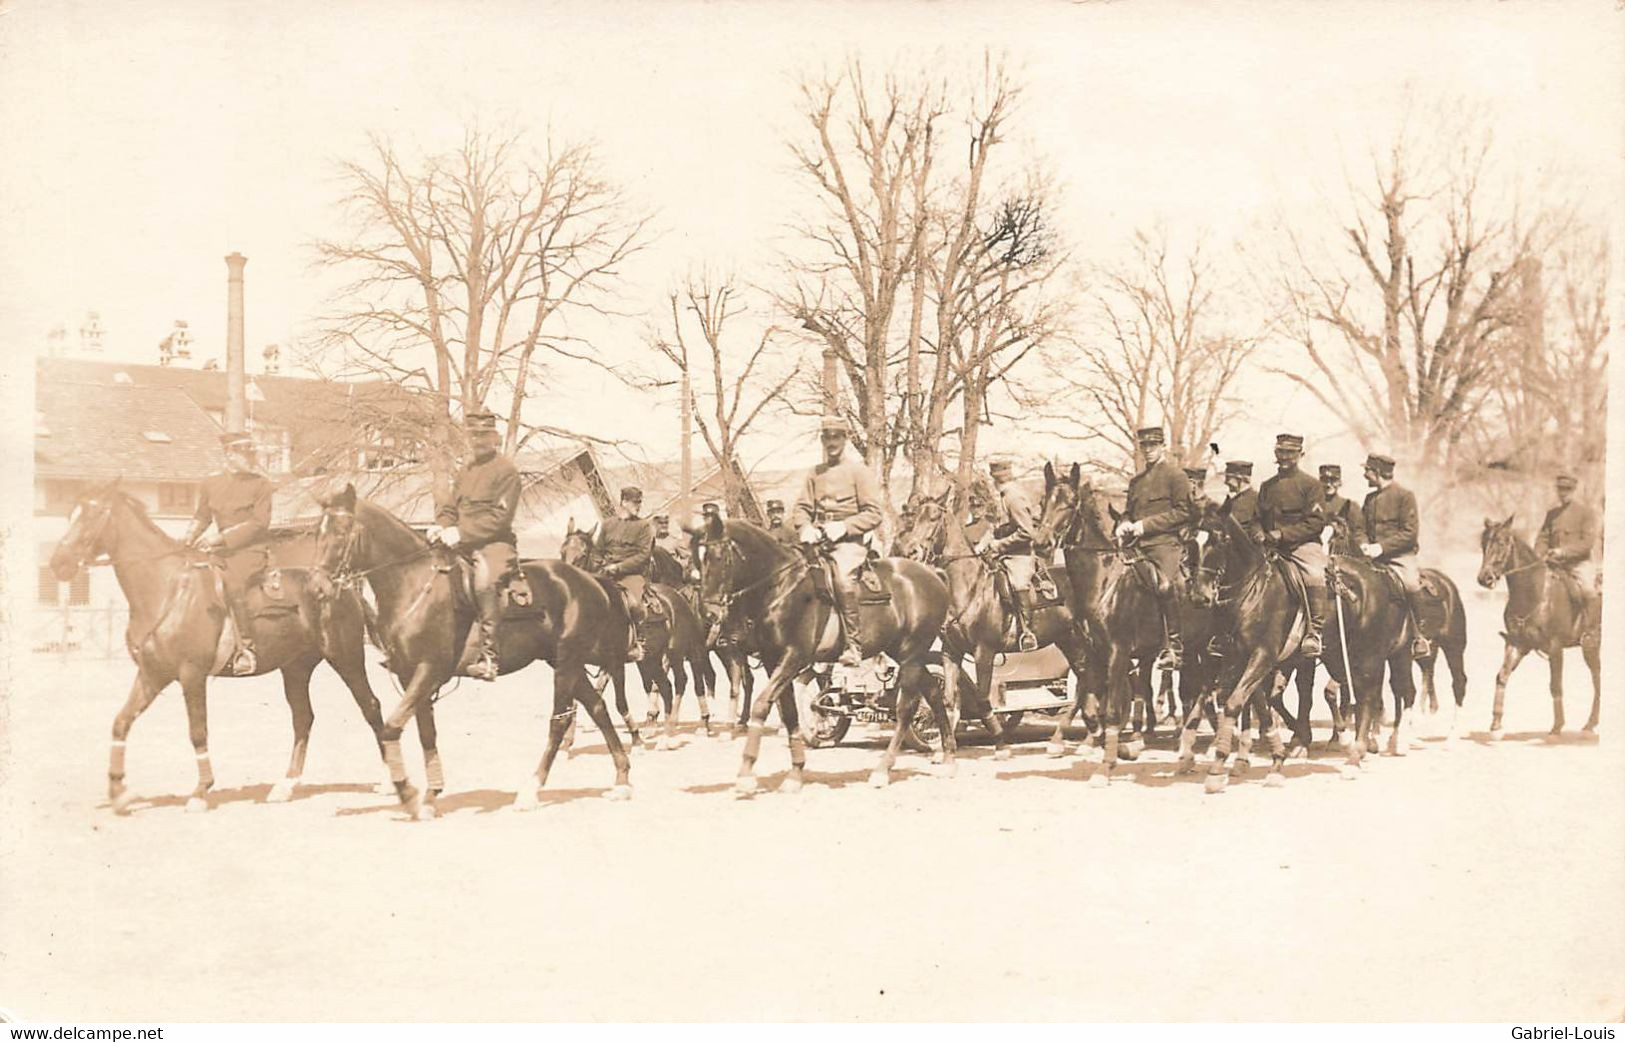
(1590, 622)
(1421, 647)
(480, 661)
(852, 654)
(1173, 653)
(636, 647)
(1312, 645)
(1027, 639)
(243, 662)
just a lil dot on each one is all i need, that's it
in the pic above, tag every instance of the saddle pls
(654, 608)
(515, 586)
(868, 587)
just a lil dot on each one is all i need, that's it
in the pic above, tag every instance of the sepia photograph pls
(733, 512)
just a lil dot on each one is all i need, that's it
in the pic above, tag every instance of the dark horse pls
(743, 569)
(979, 623)
(423, 621)
(176, 617)
(1541, 615)
(674, 648)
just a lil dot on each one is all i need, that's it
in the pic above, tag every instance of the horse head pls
(1498, 544)
(923, 539)
(717, 557)
(336, 536)
(1058, 512)
(577, 545)
(90, 530)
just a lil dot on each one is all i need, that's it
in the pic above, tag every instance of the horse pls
(174, 634)
(1444, 623)
(979, 623)
(673, 640)
(744, 569)
(1541, 616)
(423, 621)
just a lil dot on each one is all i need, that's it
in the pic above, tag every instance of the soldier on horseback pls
(237, 502)
(1565, 542)
(1197, 476)
(775, 523)
(1242, 497)
(838, 508)
(477, 522)
(1159, 508)
(1011, 541)
(1341, 513)
(622, 553)
(1392, 527)
(1289, 511)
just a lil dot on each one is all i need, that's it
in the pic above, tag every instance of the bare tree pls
(464, 266)
(1155, 350)
(740, 384)
(1400, 333)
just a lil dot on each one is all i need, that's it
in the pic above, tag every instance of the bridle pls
(724, 549)
(107, 558)
(344, 576)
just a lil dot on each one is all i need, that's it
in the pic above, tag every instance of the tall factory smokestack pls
(236, 392)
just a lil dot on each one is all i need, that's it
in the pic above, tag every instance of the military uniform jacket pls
(239, 505)
(483, 502)
(1345, 519)
(1391, 521)
(1290, 503)
(1570, 530)
(846, 491)
(1244, 508)
(1159, 497)
(625, 546)
(1018, 516)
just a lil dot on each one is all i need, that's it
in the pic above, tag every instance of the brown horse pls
(176, 617)
(744, 569)
(1541, 615)
(423, 621)
(674, 648)
(979, 623)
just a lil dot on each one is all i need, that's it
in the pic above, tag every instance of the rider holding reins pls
(1159, 508)
(238, 503)
(840, 505)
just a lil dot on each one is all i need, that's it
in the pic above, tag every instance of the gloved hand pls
(808, 534)
(450, 536)
(1273, 537)
(1130, 529)
(211, 544)
(834, 531)
(984, 544)
(1372, 550)
(432, 533)
(1554, 556)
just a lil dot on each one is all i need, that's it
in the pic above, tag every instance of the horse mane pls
(1087, 506)
(139, 510)
(754, 540)
(367, 509)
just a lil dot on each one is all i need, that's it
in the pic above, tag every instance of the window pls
(387, 451)
(79, 588)
(47, 585)
(176, 498)
(157, 437)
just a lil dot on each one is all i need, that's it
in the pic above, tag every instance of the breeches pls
(239, 567)
(492, 564)
(849, 555)
(1020, 568)
(632, 589)
(1167, 558)
(1404, 566)
(1310, 561)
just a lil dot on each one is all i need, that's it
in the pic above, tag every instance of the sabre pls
(1337, 599)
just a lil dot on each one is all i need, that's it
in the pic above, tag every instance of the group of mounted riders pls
(962, 578)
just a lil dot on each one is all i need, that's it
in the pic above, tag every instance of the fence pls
(80, 631)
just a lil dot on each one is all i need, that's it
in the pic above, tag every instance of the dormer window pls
(122, 377)
(157, 437)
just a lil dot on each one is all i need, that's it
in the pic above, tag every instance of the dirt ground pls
(1485, 882)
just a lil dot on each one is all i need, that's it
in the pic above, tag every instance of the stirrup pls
(485, 667)
(1027, 642)
(1311, 646)
(243, 663)
(1421, 647)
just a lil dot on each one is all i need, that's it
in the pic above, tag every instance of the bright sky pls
(147, 140)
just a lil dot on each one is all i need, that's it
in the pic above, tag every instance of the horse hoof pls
(525, 800)
(281, 792)
(1298, 752)
(666, 744)
(1274, 780)
(1186, 765)
(196, 805)
(790, 786)
(745, 786)
(427, 812)
(1239, 769)
(879, 779)
(1100, 780)
(1002, 754)
(123, 802)
(1553, 737)
(1055, 750)
(1215, 784)
(619, 794)
(1132, 750)
(1496, 734)
(936, 758)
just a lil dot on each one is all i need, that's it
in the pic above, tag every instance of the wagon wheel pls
(822, 728)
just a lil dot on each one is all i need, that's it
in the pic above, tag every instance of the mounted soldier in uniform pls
(1565, 541)
(477, 522)
(838, 508)
(1392, 530)
(1159, 508)
(1341, 513)
(1243, 498)
(775, 523)
(237, 502)
(1289, 511)
(1011, 541)
(622, 552)
(670, 561)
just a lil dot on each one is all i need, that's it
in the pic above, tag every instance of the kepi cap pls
(1383, 465)
(1567, 481)
(1238, 468)
(1149, 436)
(1331, 471)
(1289, 442)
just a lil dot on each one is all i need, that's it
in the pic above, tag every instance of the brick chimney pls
(236, 396)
